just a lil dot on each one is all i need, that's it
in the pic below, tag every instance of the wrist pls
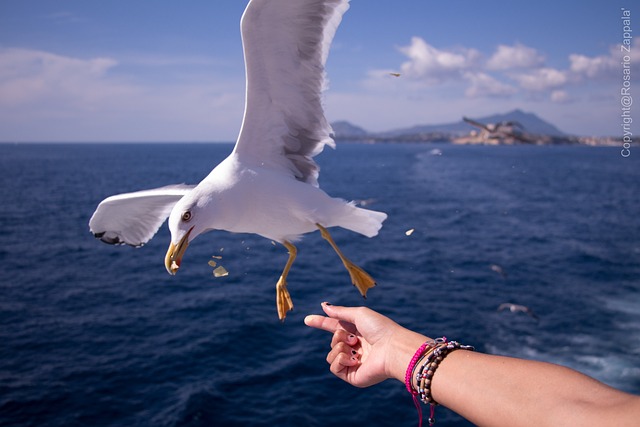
(405, 344)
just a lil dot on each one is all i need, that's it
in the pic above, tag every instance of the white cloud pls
(560, 97)
(542, 79)
(511, 71)
(594, 67)
(75, 99)
(513, 57)
(521, 65)
(483, 85)
(432, 65)
(27, 75)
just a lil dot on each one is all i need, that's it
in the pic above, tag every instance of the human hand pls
(367, 347)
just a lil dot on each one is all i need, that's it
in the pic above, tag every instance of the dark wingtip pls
(108, 239)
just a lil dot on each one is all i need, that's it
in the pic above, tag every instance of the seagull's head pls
(186, 222)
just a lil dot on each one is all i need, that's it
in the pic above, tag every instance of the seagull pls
(499, 270)
(515, 308)
(268, 185)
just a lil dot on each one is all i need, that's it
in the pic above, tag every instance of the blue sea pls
(97, 335)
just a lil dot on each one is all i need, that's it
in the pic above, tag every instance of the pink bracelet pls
(412, 365)
(409, 374)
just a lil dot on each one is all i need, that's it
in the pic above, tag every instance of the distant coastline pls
(475, 139)
(513, 128)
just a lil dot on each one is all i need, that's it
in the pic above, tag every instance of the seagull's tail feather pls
(363, 221)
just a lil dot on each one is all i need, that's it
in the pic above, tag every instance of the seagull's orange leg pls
(359, 277)
(283, 299)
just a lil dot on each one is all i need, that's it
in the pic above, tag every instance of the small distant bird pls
(499, 270)
(516, 308)
(364, 202)
(395, 74)
(268, 185)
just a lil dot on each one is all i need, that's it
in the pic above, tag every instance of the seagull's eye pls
(186, 217)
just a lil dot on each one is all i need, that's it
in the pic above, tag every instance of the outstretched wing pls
(134, 218)
(286, 44)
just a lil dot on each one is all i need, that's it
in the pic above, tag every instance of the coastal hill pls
(514, 127)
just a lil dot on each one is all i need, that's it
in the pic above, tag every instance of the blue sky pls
(173, 71)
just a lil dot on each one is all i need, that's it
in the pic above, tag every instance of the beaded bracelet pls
(429, 356)
(430, 363)
(423, 350)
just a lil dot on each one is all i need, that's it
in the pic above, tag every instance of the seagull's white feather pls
(134, 218)
(286, 44)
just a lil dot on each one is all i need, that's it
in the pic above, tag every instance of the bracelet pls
(412, 364)
(424, 349)
(429, 355)
(430, 363)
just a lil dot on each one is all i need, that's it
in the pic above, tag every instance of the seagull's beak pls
(174, 255)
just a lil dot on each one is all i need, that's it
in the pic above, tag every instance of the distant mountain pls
(343, 128)
(529, 121)
(457, 128)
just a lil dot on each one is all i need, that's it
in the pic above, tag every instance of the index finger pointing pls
(329, 324)
(321, 322)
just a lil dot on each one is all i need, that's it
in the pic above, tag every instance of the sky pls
(160, 71)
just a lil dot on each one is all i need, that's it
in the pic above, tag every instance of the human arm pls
(487, 390)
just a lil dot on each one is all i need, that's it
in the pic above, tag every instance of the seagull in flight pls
(268, 185)
(517, 308)
(499, 270)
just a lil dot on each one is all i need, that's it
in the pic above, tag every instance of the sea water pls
(96, 335)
